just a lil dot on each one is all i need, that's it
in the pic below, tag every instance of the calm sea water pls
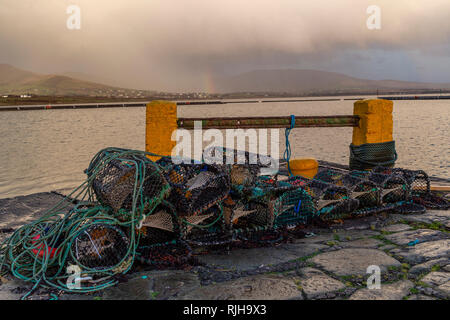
(48, 150)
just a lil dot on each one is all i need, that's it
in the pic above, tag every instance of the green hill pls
(18, 81)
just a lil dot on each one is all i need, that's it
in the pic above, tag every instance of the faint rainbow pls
(208, 82)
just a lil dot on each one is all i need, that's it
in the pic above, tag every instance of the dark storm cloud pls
(180, 45)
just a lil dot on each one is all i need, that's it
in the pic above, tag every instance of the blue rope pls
(287, 151)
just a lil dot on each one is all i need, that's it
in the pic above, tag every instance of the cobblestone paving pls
(412, 251)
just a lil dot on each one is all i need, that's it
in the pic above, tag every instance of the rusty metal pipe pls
(270, 122)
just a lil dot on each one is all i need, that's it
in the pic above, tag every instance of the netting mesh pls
(332, 201)
(252, 216)
(418, 180)
(161, 226)
(294, 207)
(365, 191)
(196, 187)
(419, 187)
(206, 228)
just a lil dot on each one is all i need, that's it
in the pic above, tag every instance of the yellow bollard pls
(304, 167)
(373, 143)
(161, 121)
(376, 124)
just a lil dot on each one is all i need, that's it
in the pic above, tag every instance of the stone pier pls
(326, 263)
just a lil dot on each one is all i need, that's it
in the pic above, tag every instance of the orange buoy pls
(304, 167)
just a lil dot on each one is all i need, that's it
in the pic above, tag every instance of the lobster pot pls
(197, 187)
(257, 209)
(418, 180)
(366, 192)
(160, 227)
(252, 216)
(332, 202)
(394, 188)
(253, 224)
(206, 228)
(255, 164)
(419, 187)
(100, 247)
(114, 182)
(293, 208)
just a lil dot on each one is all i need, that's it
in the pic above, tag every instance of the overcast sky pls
(181, 45)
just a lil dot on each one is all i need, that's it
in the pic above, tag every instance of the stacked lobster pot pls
(419, 183)
(231, 195)
(197, 193)
(268, 204)
(366, 192)
(132, 188)
(131, 208)
(379, 190)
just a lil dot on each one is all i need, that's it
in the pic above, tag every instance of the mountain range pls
(314, 82)
(303, 82)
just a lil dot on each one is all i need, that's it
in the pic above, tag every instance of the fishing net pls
(409, 208)
(370, 155)
(432, 201)
(257, 238)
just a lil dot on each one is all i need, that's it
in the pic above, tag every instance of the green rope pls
(60, 226)
(287, 151)
(369, 155)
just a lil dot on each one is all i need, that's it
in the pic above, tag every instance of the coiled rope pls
(40, 251)
(370, 155)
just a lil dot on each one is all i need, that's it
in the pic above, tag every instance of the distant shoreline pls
(54, 100)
